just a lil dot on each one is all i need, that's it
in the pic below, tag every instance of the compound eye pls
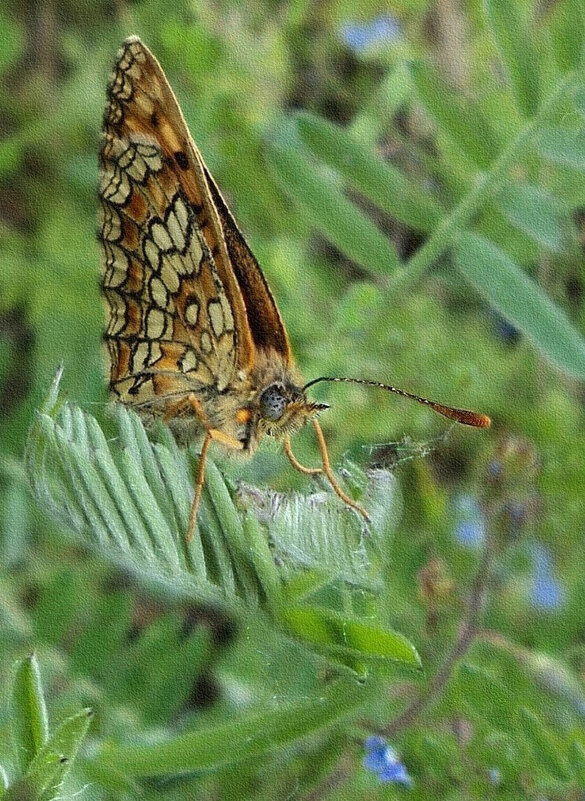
(272, 403)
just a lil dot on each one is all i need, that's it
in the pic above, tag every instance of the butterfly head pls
(284, 408)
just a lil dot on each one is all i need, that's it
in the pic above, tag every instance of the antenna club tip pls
(479, 420)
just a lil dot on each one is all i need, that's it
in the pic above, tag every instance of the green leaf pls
(519, 57)
(324, 536)
(30, 721)
(534, 211)
(263, 560)
(52, 762)
(567, 28)
(487, 186)
(576, 756)
(370, 122)
(130, 498)
(563, 145)
(65, 742)
(248, 736)
(462, 121)
(12, 41)
(42, 775)
(348, 636)
(379, 181)
(486, 698)
(545, 744)
(517, 298)
(319, 196)
(103, 491)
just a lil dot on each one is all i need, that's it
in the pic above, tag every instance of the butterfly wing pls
(266, 326)
(178, 317)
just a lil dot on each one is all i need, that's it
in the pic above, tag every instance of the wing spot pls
(192, 313)
(188, 362)
(155, 324)
(175, 231)
(181, 212)
(140, 358)
(205, 342)
(161, 236)
(228, 317)
(170, 275)
(215, 313)
(151, 254)
(159, 292)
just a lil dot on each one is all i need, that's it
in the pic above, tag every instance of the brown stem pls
(467, 633)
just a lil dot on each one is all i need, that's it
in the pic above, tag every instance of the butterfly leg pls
(212, 434)
(309, 471)
(198, 487)
(330, 474)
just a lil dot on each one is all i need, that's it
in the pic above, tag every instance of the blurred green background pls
(432, 239)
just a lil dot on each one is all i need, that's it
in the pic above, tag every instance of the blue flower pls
(362, 35)
(546, 591)
(495, 469)
(383, 760)
(495, 776)
(470, 528)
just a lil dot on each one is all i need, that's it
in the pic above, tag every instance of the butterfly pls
(194, 335)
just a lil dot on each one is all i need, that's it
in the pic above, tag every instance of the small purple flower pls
(546, 591)
(383, 760)
(495, 469)
(495, 776)
(470, 526)
(362, 35)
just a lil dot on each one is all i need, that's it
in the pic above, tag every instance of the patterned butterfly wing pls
(178, 316)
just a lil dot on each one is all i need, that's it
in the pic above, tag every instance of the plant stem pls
(467, 633)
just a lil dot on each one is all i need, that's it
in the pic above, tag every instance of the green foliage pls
(250, 736)
(412, 184)
(44, 759)
(323, 203)
(520, 301)
(124, 498)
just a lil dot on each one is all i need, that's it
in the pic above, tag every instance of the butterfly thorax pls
(266, 401)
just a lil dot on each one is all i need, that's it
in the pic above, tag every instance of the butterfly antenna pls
(459, 415)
